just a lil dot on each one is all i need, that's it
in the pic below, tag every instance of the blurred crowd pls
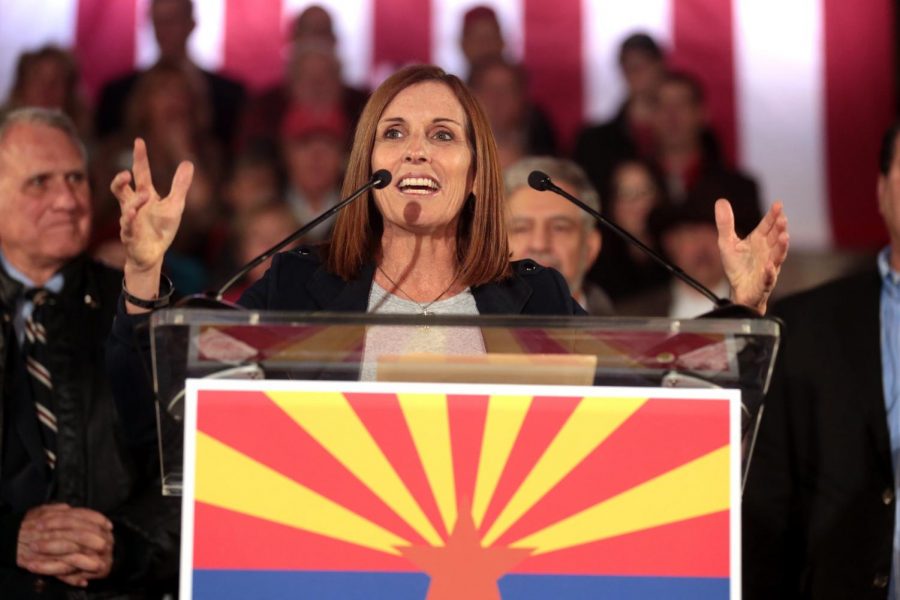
(266, 163)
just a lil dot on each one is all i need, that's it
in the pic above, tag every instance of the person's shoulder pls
(530, 269)
(549, 291)
(101, 285)
(722, 173)
(223, 84)
(284, 286)
(858, 287)
(599, 131)
(121, 83)
(305, 258)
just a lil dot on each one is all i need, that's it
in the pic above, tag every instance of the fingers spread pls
(181, 183)
(768, 221)
(141, 166)
(725, 221)
(121, 187)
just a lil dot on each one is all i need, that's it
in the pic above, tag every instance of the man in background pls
(630, 134)
(689, 158)
(78, 510)
(688, 237)
(820, 504)
(173, 23)
(554, 232)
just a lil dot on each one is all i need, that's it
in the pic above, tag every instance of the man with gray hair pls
(78, 509)
(554, 232)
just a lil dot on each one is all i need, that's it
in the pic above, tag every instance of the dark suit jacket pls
(298, 280)
(94, 469)
(654, 302)
(819, 499)
(599, 148)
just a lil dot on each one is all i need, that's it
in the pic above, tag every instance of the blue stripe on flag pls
(343, 585)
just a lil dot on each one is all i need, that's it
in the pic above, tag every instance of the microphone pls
(379, 180)
(725, 308)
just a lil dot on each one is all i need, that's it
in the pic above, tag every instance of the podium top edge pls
(766, 327)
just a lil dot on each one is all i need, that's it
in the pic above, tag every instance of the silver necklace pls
(423, 307)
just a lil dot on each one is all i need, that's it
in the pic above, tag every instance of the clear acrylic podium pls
(583, 351)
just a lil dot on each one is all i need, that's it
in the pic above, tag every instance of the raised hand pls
(752, 264)
(72, 544)
(148, 222)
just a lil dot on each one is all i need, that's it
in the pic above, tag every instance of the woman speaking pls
(432, 241)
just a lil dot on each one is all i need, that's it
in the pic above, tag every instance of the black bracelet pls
(162, 301)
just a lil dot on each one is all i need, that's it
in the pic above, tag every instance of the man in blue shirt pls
(820, 504)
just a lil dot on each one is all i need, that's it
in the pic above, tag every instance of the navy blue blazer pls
(298, 280)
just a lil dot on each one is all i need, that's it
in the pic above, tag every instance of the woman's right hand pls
(148, 223)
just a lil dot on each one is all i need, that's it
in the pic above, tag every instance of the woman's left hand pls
(752, 264)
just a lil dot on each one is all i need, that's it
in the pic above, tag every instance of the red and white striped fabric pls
(800, 91)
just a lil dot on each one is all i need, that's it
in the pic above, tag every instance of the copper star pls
(463, 568)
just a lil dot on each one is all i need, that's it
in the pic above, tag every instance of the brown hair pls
(481, 243)
(73, 105)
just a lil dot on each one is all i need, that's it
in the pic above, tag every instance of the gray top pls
(401, 340)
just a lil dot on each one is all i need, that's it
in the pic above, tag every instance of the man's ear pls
(881, 191)
(592, 245)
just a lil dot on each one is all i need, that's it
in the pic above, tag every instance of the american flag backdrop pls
(799, 90)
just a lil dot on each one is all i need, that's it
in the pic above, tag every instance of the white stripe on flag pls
(446, 29)
(205, 45)
(780, 106)
(605, 24)
(29, 25)
(353, 27)
(145, 50)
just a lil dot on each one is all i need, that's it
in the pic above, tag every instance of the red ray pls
(692, 548)
(278, 442)
(270, 339)
(383, 417)
(236, 541)
(545, 417)
(661, 435)
(467, 416)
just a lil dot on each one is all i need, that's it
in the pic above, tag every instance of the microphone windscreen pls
(539, 180)
(381, 178)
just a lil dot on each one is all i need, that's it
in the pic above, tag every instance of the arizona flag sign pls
(422, 491)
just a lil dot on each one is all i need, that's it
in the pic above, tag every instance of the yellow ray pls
(504, 419)
(587, 427)
(429, 423)
(694, 489)
(331, 421)
(231, 480)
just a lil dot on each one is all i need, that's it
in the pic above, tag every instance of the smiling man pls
(76, 508)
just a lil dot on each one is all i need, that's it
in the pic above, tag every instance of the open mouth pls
(418, 185)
